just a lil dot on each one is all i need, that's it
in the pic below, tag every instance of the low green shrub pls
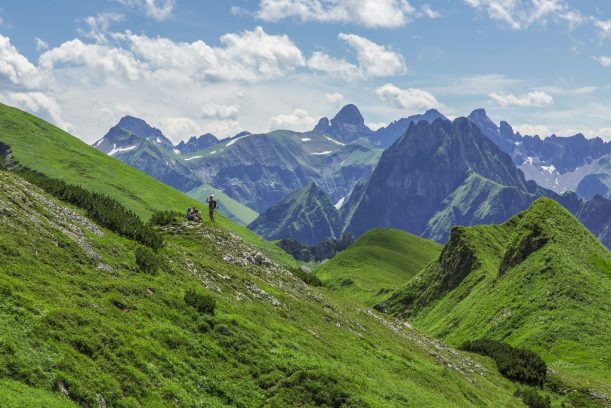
(308, 278)
(199, 300)
(164, 217)
(517, 364)
(103, 209)
(147, 260)
(532, 398)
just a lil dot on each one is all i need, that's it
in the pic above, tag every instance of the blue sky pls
(221, 66)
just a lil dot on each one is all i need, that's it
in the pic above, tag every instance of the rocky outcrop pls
(319, 252)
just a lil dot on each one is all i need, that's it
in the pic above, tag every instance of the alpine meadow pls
(305, 203)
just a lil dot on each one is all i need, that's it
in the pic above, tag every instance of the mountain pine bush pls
(147, 260)
(162, 218)
(199, 300)
(105, 210)
(532, 398)
(517, 364)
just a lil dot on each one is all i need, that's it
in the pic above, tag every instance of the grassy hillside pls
(227, 205)
(80, 317)
(540, 281)
(378, 263)
(43, 147)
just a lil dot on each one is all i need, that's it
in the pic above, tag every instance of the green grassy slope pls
(45, 148)
(540, 281)
(227, 205)
(378, 263)
(78, 315)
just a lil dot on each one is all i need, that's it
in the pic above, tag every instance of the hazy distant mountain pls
(347, 126)
(196, 143)
(386, 136)
(306, 215)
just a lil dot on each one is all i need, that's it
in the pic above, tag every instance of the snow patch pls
(193, 158)
(335, 141)
(99, 142)
(305, 139)
(235, 140)
(158, 141)
(176, 151)
(339, 204)
(212, 152)
(116, 149)
(550, 169)
(321, 153)
(529, 160)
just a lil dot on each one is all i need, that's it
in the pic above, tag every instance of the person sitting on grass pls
(197, 215)
(189, 214)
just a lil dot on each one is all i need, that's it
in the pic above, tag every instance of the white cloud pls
(521, 14)
(158, 10)
(427, 11)
(374, 60)
(319, 61)
(98, 25)
(409, 99)
(604, 61)
(41, 45)
(38, 103)
(16, 69)
(177, 128)
(248, 56)
(335, 98)
(368, 13)
(532, 130)
(213, 110)
(299, 120)
(100, 61)
(531, 99)
(376, 125)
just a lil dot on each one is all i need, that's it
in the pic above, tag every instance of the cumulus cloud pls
(299, 120)
(604, 61)
(177, 128)
(531, 99)
(213, 110)
(373, 60)
(16, 70)
(521, 14)
(158, 10)
(100, 61)
(247, 56)
(368, 13)
(38, 103)
(319, 61)
(409, 99)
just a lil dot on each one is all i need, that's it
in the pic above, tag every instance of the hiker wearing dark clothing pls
(211, 207)
(189, 215)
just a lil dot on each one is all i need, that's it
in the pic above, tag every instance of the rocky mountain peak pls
(349, 114)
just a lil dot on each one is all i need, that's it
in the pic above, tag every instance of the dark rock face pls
(305, 215)
(195, 144)
(323, 250)
(348, 125)
(417, 175)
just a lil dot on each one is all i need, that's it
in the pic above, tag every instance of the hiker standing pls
(211, 207)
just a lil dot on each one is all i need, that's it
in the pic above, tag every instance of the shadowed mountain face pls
(386, 136)
(438, 175)
(305, 215)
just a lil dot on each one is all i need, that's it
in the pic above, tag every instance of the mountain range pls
(216, 316)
